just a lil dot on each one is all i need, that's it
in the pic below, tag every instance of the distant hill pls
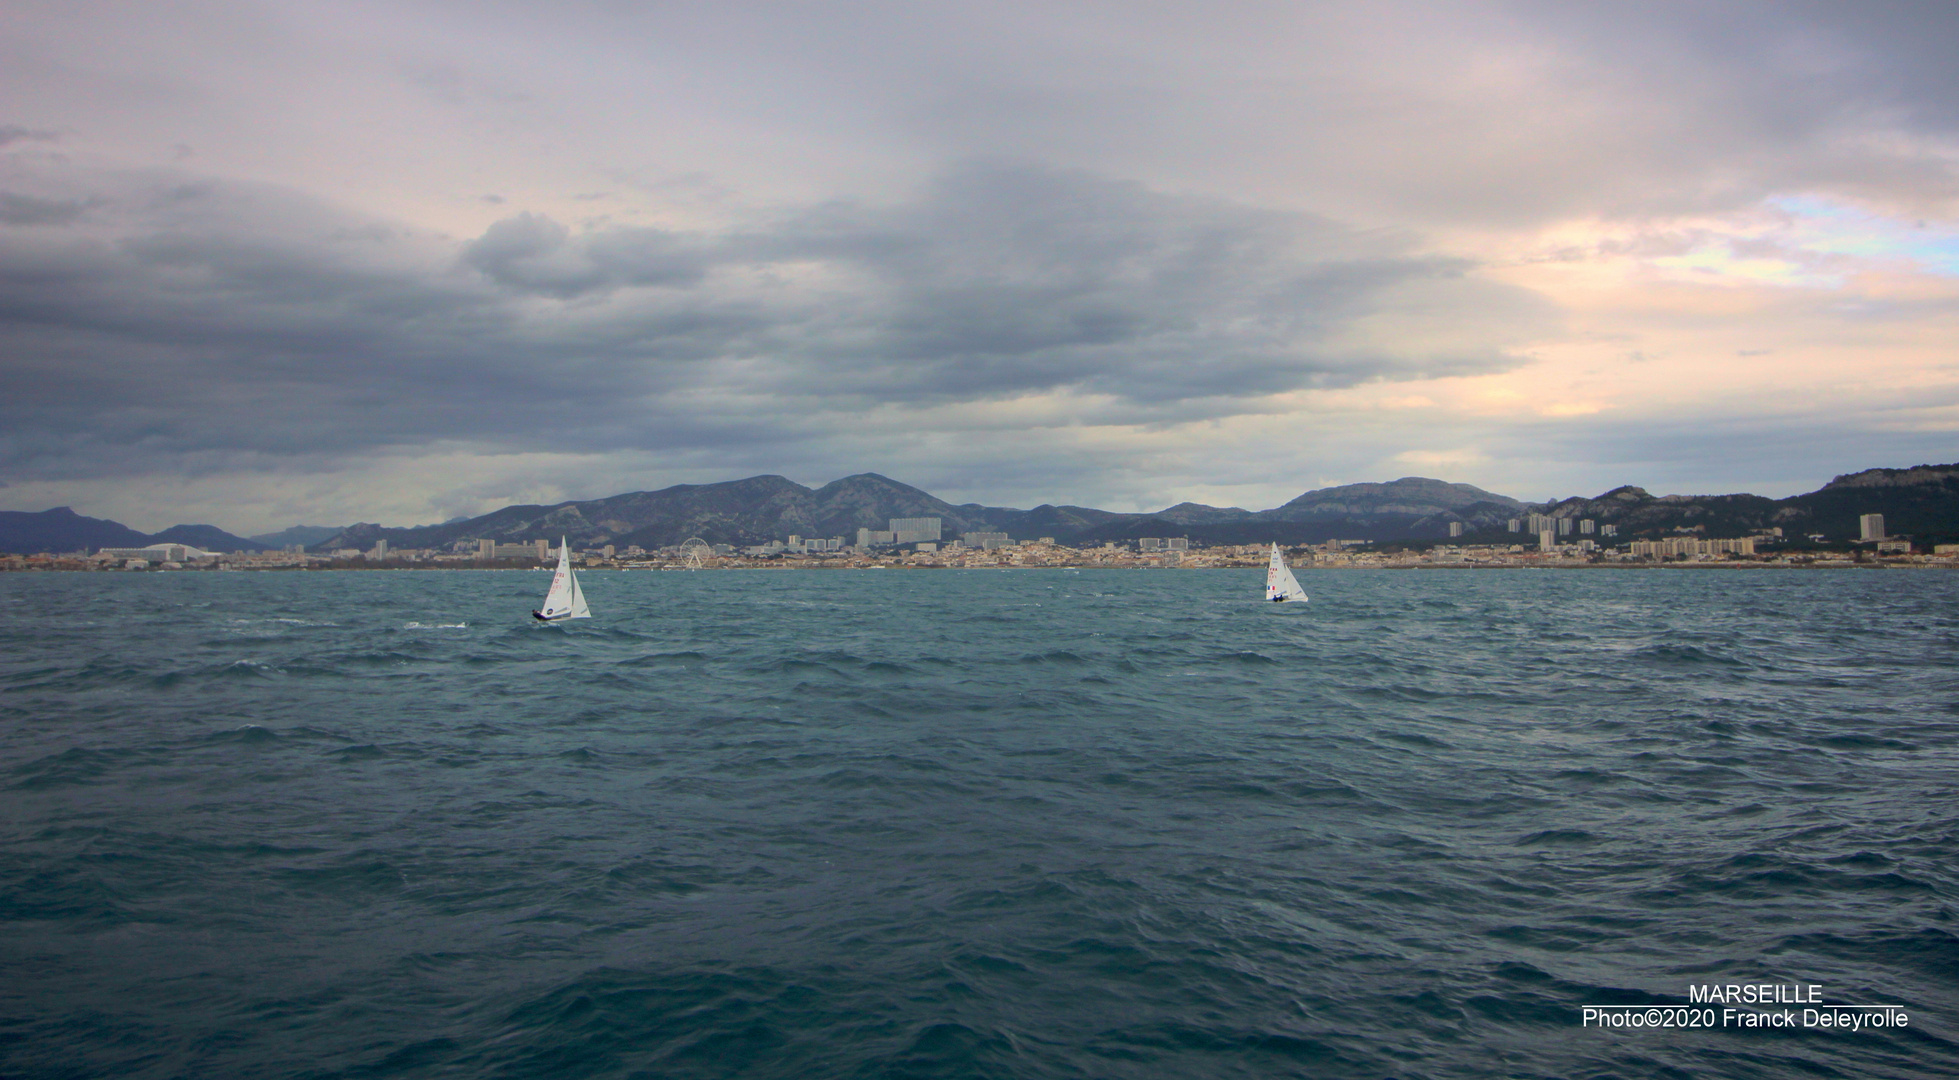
(62, 530)
(1921, 502)
(1410, 496)
(750, 511)
(763, 508)
(206, 537)
(303, 535)
(1412, 507)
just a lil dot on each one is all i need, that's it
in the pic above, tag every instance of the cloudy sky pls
(264, 263)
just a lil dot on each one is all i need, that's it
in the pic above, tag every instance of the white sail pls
(565, 600)
(578, 608)
(1280, 585)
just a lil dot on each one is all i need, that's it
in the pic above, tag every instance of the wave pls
(870, 832)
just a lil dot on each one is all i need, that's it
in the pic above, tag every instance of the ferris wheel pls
(696, 551)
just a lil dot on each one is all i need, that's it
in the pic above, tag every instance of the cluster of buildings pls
(796, 545)
(1547, 529)
(977, 550)
(922, 542)
(926, 535)
(921, 534)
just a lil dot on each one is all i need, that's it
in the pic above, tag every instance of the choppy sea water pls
(986, 824)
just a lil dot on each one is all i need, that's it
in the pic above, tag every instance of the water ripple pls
(1030, 824)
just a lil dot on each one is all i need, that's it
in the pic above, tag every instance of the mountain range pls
(61, 529)
(763, 508)
(1922, 502)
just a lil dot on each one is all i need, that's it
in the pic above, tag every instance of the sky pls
(272, 263)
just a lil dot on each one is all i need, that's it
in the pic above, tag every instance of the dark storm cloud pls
(202, 316)
(190, 316)
(1004, 279)
(1156, 260)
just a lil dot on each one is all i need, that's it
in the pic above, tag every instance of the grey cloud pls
(1004, 279)
(171, 321)
(28, 210)
(532, 253)
(1493, 112)
(13, 133)
(1436, 111)
(1690, 107)
(206, 317)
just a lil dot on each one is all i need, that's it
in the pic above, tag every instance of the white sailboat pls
(565, 600)
(1280, 586)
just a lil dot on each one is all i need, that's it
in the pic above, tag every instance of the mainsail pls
(1280, 585)
(565, 600)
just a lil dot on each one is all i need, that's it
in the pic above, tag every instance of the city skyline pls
(271, 263)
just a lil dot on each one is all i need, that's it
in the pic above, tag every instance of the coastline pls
(1908, 563)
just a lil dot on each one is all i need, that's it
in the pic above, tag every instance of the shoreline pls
(781, 567)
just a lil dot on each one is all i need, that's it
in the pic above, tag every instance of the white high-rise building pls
(1586, 526)
(1455, 528)
(1870, 527)
(912, 530)
(1547, 540)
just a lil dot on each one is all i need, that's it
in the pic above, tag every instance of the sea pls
(1028, 823)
